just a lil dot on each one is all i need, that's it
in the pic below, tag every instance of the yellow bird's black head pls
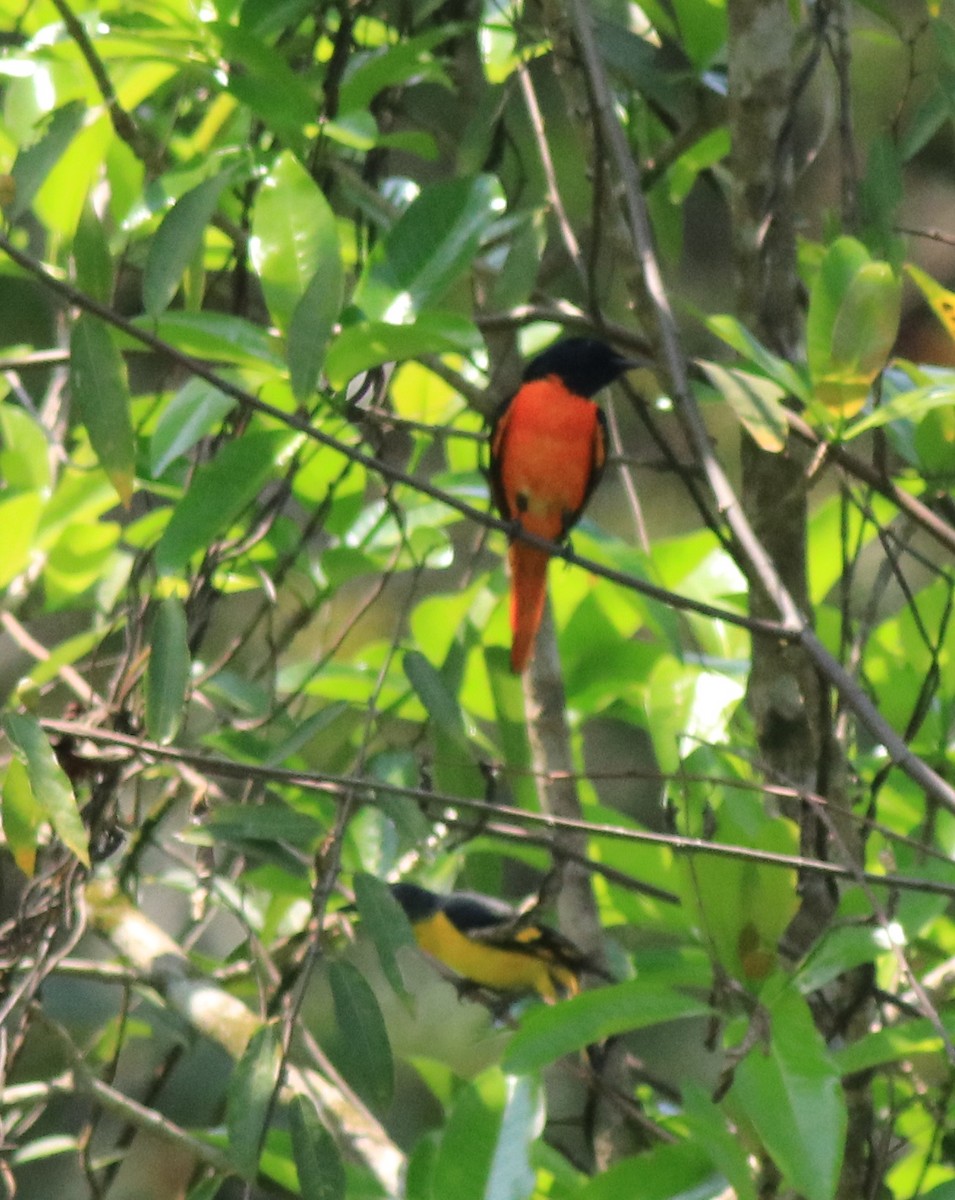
(482, 939)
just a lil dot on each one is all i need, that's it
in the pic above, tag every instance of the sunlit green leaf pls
(755, 401)
(20, 516)
(362, 347)
(51, 788)
(854, 310)
(196, 410)
(23, 816)
(24, 452)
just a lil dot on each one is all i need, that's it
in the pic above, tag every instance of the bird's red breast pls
(547, 451)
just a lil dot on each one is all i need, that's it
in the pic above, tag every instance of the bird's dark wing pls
(598, 461)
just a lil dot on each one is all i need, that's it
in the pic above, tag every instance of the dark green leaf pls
(271, 822)
(432, 242)
(442, 707)
(36, 162)
(250, 1098)
(220, 491)
(167, 675)
(395, 64)
(91, 254)
(310, 329)
(177, 241)
(52, 790)
(99, 390)
(362, 1051)
(321, 1174)
(791, 1093)
(549, 1032)
(384, 922)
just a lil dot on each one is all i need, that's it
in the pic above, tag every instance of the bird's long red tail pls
(528, 592)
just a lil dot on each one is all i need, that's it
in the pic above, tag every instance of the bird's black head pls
(585, 365)
(418, 903)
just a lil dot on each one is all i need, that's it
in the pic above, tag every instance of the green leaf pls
(52, 790)
(755, 401)
(261, 78)
(906, 406)
(250, 1098)
(678, 1172)
(91, 254)
(383, 920)
(362, 1051)
(34, 163)
(432, 242)
(167, 675)
(743, 905)
(177, 241)
(891, 1044)
(735, 334)
(196, 410)
(484, 1151)
(219, 492)
(791, 1093)
(78, 560)
(549, 1032)
(296, 253)
(310, 329)
(710, 1130)
(99, 390)
(321, 1174)
(441, 705)
(216, 336)
(370, 344)
(394, 64)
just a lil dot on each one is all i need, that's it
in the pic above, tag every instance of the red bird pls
(548, 448)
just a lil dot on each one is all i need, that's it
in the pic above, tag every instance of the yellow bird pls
(481, 939)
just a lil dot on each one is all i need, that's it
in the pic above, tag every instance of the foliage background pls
(267, 268)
